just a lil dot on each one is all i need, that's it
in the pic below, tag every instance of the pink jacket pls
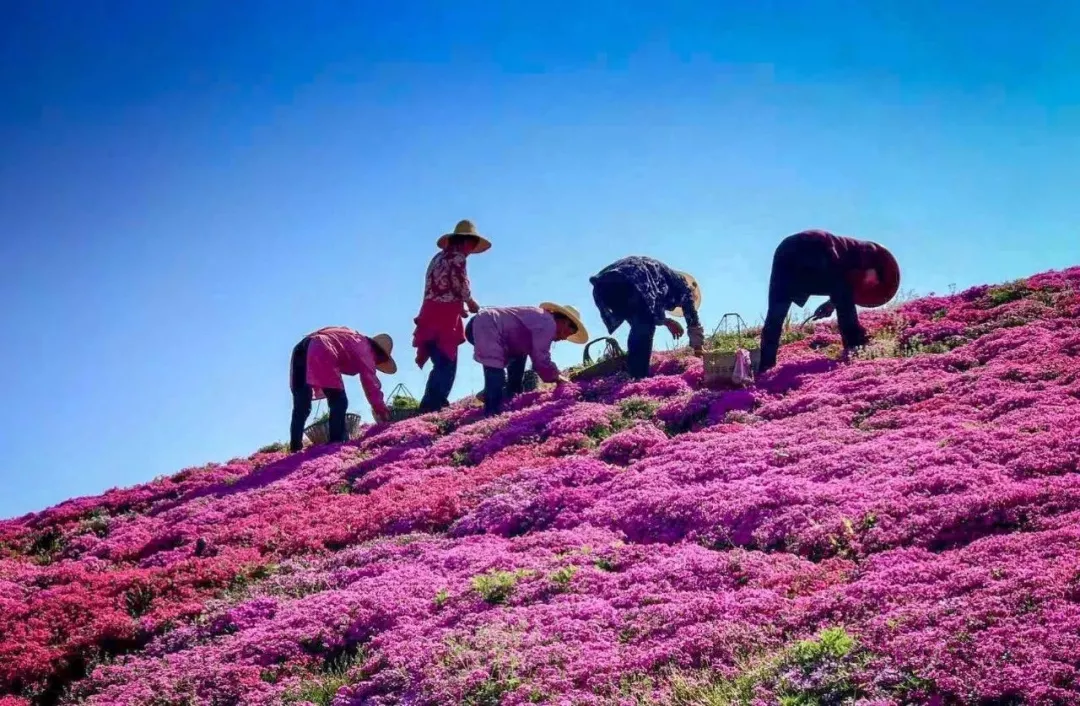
(500, 334)
(336, 351)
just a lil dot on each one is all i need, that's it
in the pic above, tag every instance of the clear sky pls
(187, 188)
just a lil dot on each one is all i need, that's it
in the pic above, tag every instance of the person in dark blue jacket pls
(641, 291)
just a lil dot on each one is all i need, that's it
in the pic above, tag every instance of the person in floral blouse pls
(447, 300)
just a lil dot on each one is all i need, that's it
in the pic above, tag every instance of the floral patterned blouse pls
(659, 290)
(446, 279)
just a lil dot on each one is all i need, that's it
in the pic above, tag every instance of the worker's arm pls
(373, 392)
(690, 312)
(824, 311)
(693, 321)
(459, 282)
(369, 381)
(542, 338)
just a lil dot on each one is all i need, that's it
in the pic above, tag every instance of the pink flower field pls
(901, 528)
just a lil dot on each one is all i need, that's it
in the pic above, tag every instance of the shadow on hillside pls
(789, 376)
(385, 457)
(267, 475)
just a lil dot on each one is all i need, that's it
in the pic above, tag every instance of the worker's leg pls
(339, 405)
(515, 376)
(779, 305)
(301, 408)
(301, 393)
(847, 319)
(494, 385)
(440, 381)
(639, 345)
(612, 298)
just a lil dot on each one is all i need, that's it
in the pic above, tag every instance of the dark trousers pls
(639, 345)
(336, 400)
(440, 380)
(802, 268)
(500, 385)
(622, 299)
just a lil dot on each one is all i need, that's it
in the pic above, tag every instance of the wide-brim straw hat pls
(888, 284)
(465, 227)
(582, 334)
(386, 344)
(694, 287)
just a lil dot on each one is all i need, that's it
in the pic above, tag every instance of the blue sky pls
(188, 188)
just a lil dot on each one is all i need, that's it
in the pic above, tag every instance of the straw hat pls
(386, 345)
(582, 334)
(677, 311)
(466, 227)
(870, 296)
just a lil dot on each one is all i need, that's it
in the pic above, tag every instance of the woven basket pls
(410, 409)
(720, 365)
(319, 432)
(612, 361)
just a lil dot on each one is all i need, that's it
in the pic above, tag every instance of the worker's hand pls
(674, 327)
(382, 416)
(824, 311)
(697, 339)
(561, 380)
(473, 306)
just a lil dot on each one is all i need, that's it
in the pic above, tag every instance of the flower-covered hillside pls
(900, 528)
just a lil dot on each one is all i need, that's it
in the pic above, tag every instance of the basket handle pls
(400, 387)
(612, 345)
(740, 324)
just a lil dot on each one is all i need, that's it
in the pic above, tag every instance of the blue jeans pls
(501, 385)
(440, 380)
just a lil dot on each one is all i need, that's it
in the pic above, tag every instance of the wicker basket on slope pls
(611, 361)
(402, 404)
(319, 432)
(719, 363)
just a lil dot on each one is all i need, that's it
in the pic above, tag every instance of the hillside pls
(903, 528)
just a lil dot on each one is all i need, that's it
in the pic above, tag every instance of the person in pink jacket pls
(318, 363)
(503, 339)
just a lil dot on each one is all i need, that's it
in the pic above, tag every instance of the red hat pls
(880, 293)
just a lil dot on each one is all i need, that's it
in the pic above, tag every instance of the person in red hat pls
(815, 262)
(447, 300)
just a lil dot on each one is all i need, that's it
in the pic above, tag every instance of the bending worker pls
(318, 363)
(850, 272)
(447, 300)
(503, 338)
(642, 290)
